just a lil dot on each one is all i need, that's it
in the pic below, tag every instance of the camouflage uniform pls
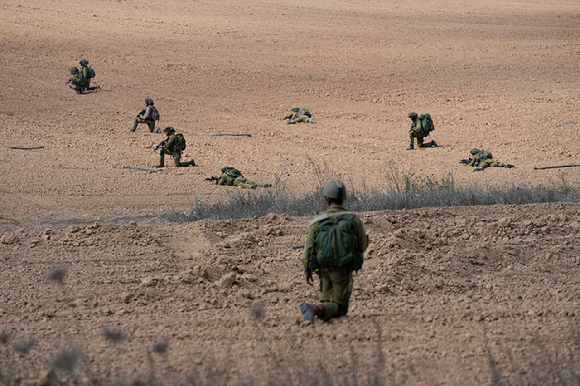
(85, 71)
(335, 284)
(299, 115)
(478, 160)
(170, 149)
(77, 81)
(417, 132)
(230, 177)
(145, 117)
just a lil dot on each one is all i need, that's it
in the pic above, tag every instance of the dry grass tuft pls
(66, 359)
(24, 344)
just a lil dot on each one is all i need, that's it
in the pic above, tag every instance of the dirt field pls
(448, 296)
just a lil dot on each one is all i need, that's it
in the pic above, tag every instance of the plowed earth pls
(451, 296)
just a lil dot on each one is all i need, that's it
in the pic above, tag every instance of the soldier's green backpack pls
(485, 154)
(180, 142)
(79, 79)
(335, 243)
(426, 123)
(90, 73)
(154, 115)
(305, 112)
(232, 174)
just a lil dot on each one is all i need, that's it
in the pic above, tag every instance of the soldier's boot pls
(434, 144)
(313, 121)
(478, 169)
(267, 185)
(192, 162)
(159, 130)
(508, 165)
(160, 166)
(291, 123)
(309, 311)
(253, 186)
(410, 147)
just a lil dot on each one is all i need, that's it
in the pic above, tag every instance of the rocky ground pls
(479, 295)
(93, 287)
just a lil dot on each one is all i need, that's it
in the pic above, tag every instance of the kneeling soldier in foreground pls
(333, 250)
(173, 145)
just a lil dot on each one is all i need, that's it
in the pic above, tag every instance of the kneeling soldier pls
(333, 250)
(173, 145)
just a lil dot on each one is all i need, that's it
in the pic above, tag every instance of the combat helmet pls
(84, 62)
(169, 129)
(74, 70)
(295, 109)
(474, 151)
(224, 168)
(149, 101)
(335, 189)
(412, 115)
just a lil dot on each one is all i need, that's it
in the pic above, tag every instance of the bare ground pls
(482, 295)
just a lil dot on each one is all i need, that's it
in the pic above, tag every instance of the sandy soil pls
(448, 296)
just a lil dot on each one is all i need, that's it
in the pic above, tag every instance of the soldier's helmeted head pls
(84, 62)
(149, 101)
(412, 115)
(334, 191)
(224, 168)
(169, 129)
(74, 70)
(295, 109)
(474, 151)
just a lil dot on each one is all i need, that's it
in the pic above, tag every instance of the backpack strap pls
(324, 216)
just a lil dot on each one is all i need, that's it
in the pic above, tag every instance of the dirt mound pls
(481, 292)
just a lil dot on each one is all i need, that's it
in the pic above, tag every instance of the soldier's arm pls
(308, 249)
(222, 180)
(170, 141)
(474, 160)
(361, 237)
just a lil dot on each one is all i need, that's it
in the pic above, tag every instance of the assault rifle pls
(465, 161)
(160, 145)
(212, 178)
(139, 116)
(67, 82)
(298, 247)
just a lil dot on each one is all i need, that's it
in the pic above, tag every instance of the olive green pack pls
(426, 123)
(335, 243)
(232, 174)
(179, 142)
(485, 154)
(90, 73)
(79, 79)
(154, 116)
